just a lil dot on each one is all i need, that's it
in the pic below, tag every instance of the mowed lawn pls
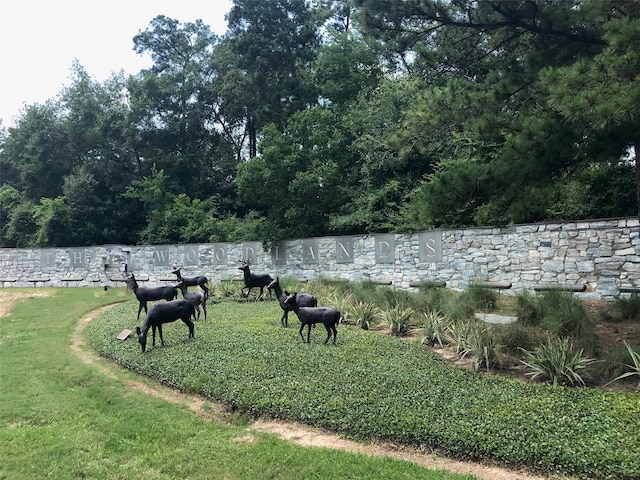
(62, 418)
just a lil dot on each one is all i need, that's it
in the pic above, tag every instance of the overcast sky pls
(39, 40)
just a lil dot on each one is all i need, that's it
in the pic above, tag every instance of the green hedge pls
(372, 386)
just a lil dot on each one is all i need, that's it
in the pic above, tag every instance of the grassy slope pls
(371, 386)
(62, 419)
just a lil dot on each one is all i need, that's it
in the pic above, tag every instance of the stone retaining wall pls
(599, 256)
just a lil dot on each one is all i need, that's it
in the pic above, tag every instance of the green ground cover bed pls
(372, 386)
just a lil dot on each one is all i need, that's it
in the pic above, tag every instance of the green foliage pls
(370, 117)
(514, 337)
(259, 369)
(365, 315)
(459, 306)
(65, 418)
(457, 333)
(399, 319)
(480, 344)
(634, 369)
(565, 316)
(622, 309)
(432, 298)
(559, 363)
(484, 298)
(434, 328)
(528, 308)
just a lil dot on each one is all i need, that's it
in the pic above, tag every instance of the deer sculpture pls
(162, 313)
(196, 297)
(252, 280)
(303, 300)
(199, 280)
(328, 316)
(150, 294)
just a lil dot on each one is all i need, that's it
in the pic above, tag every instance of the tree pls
(37, 153)
(170, 108)
(601, 95)
(300, 180)
(275, 43)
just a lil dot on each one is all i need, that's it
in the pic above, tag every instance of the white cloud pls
(39, 40)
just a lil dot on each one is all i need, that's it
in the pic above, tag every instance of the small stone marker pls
(124, 334)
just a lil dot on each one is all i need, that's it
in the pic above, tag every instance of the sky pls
(39, 39)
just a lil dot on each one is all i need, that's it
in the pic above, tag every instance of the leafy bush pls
(528, 308)
(565, 316)
(434, 328)
(481, 345)
(623, 309)
(633, 369)
(364, 314)
(398, 319)
(558, 362)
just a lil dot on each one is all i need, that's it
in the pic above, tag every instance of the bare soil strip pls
(295, 432)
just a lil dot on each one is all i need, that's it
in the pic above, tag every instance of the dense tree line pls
(337, 117)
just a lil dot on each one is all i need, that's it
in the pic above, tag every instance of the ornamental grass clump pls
(398, 319)
(528, 309)
(481, 346)
(559, 363)
(457, 333)
(483, 298)
(632, 369)
(365, 315)
(623, 309)
(565, 316)
(434, 328)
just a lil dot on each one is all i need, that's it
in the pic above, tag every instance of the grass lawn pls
(372, 386)
(61, 418)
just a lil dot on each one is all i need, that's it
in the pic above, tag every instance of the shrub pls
(632, 369)
(558, 362)
(434, 327)
(623, 309)
(481, 345)
(528, 309)
(457, 333)
(398, 319)
(482, 298)
(364, 314)
(565, 316)
(514, 336)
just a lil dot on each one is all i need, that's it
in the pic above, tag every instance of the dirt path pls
(297, 433)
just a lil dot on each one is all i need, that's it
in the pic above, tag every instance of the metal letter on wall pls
(191, 255)
(310, 251)
(219, 253)
(385, 248)
(77, 257)
(344, 250)
(161, 256)
(249, 252)
(430, 246)
(279, 254)
(47, 258)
